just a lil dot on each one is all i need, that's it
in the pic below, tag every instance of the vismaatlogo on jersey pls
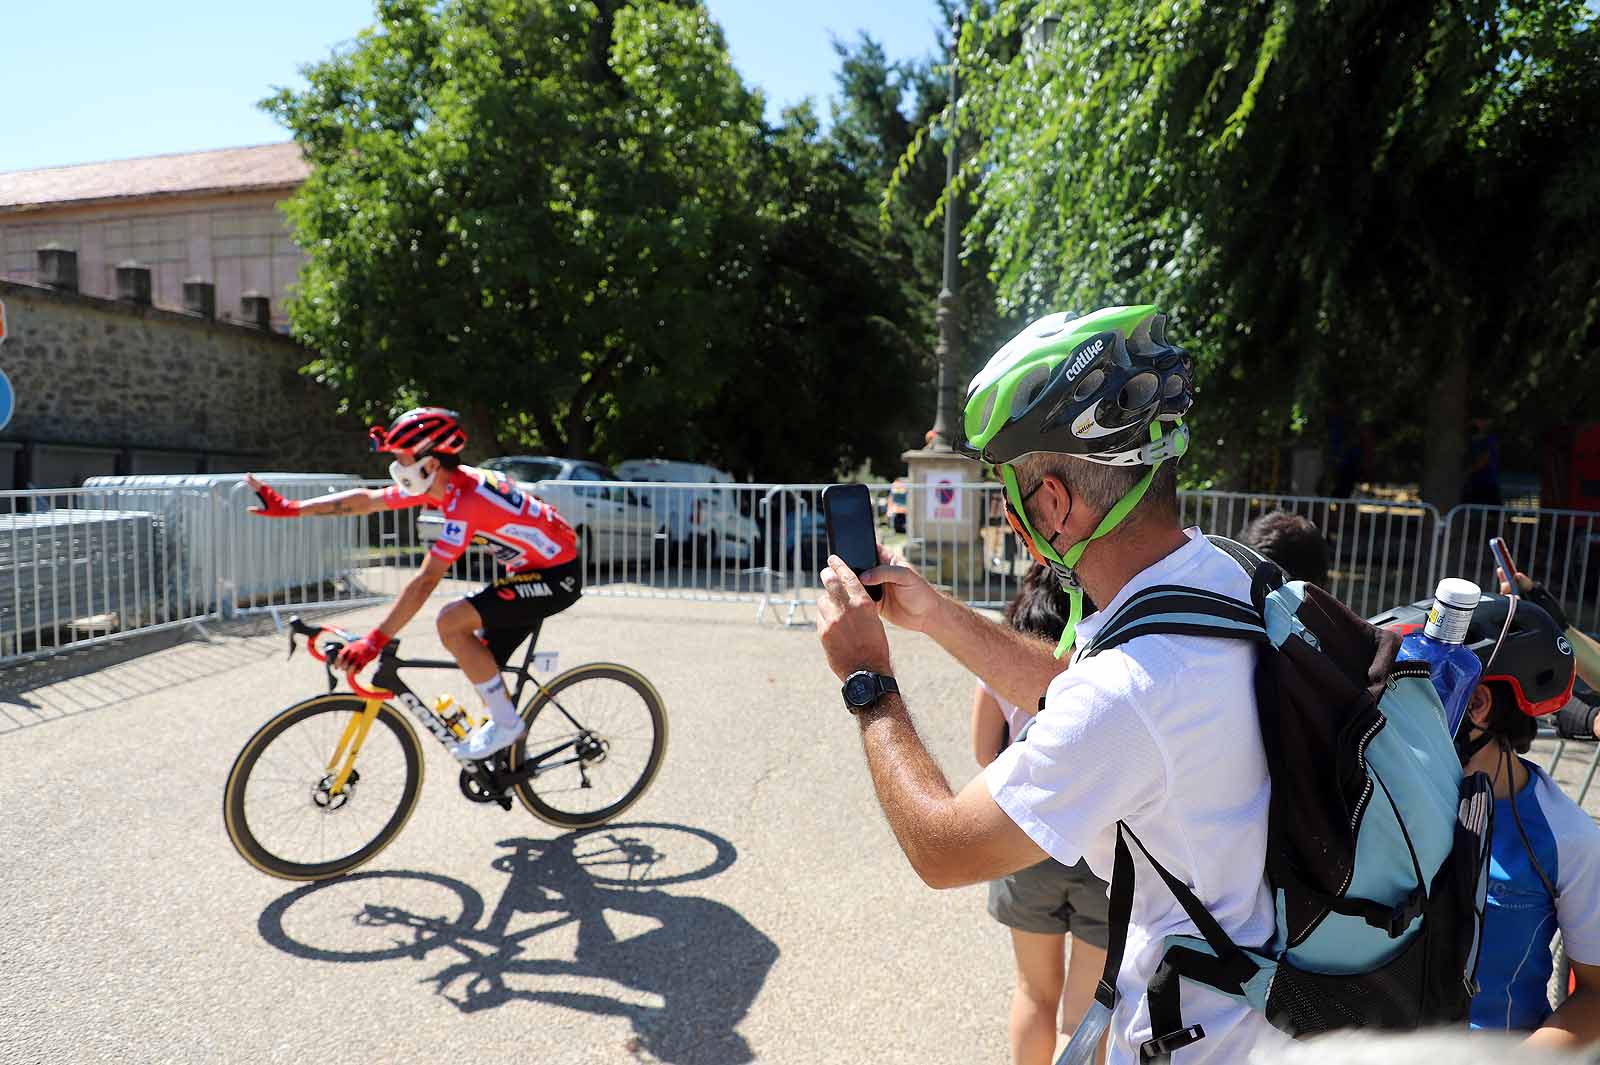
(455, 533)
(522, 586)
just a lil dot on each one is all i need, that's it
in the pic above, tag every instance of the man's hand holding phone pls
(848, 625)
(908, 599)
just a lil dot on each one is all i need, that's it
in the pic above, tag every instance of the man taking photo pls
(1082, 418)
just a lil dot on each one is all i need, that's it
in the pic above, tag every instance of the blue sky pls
(88, 80)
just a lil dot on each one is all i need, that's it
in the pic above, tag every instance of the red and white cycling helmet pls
(423, 431)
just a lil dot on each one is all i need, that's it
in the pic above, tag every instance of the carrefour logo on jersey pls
(455, 532)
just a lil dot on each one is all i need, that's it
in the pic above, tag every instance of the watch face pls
(861, 690)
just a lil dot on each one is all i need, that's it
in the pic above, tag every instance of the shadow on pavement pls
(684, 970)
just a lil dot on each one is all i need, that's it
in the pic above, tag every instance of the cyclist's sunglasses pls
(1019, 526)
(375, 437)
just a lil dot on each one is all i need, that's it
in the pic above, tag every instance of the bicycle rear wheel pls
(599, 732)
(278, 805)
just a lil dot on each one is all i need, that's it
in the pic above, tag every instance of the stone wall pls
(150, 390)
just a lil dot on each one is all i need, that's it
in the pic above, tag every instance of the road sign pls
(944, 494)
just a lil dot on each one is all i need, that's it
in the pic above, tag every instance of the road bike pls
(297, 806)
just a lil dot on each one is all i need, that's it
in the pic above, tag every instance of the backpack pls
(1377, 848)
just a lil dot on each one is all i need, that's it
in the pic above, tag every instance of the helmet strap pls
(1064, 564)
(1468, 745)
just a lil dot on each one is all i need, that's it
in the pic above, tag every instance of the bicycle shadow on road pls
(685, 983)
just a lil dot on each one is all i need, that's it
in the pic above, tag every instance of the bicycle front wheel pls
(279, 806)
(598, 733)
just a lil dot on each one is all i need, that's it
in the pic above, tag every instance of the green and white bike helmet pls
(1107, 387)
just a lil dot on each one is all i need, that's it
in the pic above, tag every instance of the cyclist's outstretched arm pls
(355, 501)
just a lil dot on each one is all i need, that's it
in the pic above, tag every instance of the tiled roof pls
(223, 170)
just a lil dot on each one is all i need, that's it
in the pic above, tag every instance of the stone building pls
(209, 216)
(145, 319)
(105, 386)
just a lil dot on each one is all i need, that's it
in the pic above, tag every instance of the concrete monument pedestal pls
(943, 515)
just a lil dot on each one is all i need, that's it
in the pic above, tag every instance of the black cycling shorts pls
(513, 607)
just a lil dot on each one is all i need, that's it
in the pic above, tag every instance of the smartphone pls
(1502, 558)
(852, 533)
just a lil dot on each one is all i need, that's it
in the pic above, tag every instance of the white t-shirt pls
(1160, 732)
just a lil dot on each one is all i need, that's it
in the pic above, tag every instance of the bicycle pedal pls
(504, 801)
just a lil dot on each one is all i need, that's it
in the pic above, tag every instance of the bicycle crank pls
(478, 789)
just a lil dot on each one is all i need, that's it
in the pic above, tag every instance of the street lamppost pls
(948, 315)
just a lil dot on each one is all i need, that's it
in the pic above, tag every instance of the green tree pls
(1363, 203)
(885, 132)
(533, 210)
(831, 369)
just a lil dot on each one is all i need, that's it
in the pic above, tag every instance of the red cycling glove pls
(356, 655)
(273, 505)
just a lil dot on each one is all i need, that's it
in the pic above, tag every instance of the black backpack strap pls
(1229, 969)
(1265, 575)
(1170, 609)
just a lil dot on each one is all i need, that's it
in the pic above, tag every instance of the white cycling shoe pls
(488, 739)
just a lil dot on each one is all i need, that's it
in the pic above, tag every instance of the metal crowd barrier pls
(1380, 553)
(81, 567)
(969, 553)
(1559, 548)
(114, 558)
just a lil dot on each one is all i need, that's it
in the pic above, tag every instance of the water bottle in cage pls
(454, 716)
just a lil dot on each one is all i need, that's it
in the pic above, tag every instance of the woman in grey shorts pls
(1045, 903)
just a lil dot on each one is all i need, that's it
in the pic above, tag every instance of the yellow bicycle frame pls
(355, 734)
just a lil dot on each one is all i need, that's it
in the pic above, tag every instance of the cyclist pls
(1544, 874)
(528, 537)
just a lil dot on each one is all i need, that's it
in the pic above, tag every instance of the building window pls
(163, 239)
(19, 246)
(250, 234)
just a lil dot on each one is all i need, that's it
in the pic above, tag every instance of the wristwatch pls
(863, 689)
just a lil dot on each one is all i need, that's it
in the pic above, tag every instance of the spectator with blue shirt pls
(1544, 873)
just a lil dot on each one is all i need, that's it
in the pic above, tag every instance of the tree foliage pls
(1361, 203)
(570, 221)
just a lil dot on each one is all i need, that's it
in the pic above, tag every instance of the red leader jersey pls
(524, 532)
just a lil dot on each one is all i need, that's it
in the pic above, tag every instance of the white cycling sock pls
(493, 693)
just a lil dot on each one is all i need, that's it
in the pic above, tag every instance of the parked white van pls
(702, 518)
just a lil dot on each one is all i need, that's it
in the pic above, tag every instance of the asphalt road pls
(752, 907)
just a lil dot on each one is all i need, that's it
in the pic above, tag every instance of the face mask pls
(411, 479)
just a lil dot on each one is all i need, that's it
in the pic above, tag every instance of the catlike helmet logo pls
(1563, 646)
(1085, 357)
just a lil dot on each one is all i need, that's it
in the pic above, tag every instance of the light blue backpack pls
(1377, 848)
